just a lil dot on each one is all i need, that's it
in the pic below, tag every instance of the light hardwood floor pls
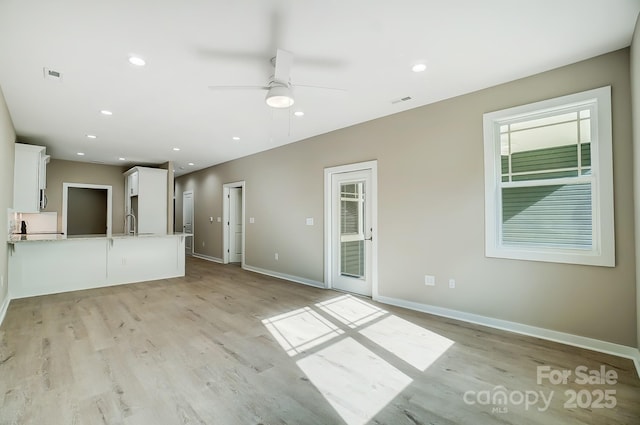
(226, 346)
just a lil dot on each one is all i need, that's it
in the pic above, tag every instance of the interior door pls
(235, 225)
(187, 220)
(352, 232)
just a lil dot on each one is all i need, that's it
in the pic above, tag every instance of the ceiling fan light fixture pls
(279, 97)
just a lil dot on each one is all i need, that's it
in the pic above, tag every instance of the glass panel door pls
(351, 232)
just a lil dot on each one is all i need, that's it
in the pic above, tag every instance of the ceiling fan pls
(279, 88)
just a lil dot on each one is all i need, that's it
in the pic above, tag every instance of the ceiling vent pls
(402, 99)
(50, 74)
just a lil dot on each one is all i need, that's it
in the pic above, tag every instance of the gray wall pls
(59, 172)
(7, 149)
(635, 96)
(431, 209)
(170, 186)
(86, 211)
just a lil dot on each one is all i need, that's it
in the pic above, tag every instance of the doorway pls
(350, 234)
(86, 209)
(187, 220)
(233, 235)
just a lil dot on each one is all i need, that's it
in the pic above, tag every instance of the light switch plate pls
(252, 220)
(309, 221)
(218, 219)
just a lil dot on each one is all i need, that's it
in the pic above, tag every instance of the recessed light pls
(298, 113)
(137, 61)
(91, 136)
(235, 138)
(121, 159)
(105, 112)
(419, 67)
(191, 163)
(80, 154)
(176, 149)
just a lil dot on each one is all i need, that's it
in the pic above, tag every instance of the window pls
(549, 180)
(352, 229)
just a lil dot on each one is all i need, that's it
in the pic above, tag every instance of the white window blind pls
(549, 180)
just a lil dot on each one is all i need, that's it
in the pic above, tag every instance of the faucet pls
(135, 229)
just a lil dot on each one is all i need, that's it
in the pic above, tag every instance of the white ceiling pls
(364, 46)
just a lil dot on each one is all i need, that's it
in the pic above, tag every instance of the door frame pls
(328, 229)
(225, 220)
(193, 225)
(65, 199)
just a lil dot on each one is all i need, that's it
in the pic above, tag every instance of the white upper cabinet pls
(146, 190)
(29, 177)
(132, 182)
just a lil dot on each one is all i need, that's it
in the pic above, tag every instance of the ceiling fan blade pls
(284, 61)
(318, 87)
(238, 88)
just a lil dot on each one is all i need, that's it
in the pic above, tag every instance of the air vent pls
(50, 74)
(402, 99)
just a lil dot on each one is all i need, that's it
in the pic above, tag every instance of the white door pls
(235, 225)
(187, 220)
(352, 231)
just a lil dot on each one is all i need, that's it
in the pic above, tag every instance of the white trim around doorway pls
(65, 199)
(328, 254)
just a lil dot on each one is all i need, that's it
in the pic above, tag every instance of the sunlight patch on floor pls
(415, 345)
(301, 329)
(354, 380)
(351, 310)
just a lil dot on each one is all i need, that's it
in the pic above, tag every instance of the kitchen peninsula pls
(49, 264)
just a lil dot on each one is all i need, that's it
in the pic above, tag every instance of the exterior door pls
(351, 231)
(187, 220)
(235, 225)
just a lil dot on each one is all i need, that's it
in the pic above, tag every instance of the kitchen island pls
(50, 264)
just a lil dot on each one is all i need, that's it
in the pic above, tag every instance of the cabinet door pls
(133, 184)
(26, 178)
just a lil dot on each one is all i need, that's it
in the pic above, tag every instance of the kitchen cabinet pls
(51, 264)
(146, 199)
(132, 181)
(29, 178)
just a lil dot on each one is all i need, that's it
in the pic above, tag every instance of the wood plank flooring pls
(226, 346)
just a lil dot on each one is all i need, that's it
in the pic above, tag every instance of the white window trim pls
(603, 248)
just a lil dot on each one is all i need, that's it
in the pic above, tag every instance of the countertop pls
(55, 237)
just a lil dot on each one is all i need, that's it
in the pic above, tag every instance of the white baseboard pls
(4, 308)
(285, 276)
(208, 258)
(561, 337)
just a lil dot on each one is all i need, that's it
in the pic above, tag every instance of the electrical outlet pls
(452, 283)
(429, 280)
(276, 256)
(252, 220)
(309, 221)
(218, 219)
(210, 219)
